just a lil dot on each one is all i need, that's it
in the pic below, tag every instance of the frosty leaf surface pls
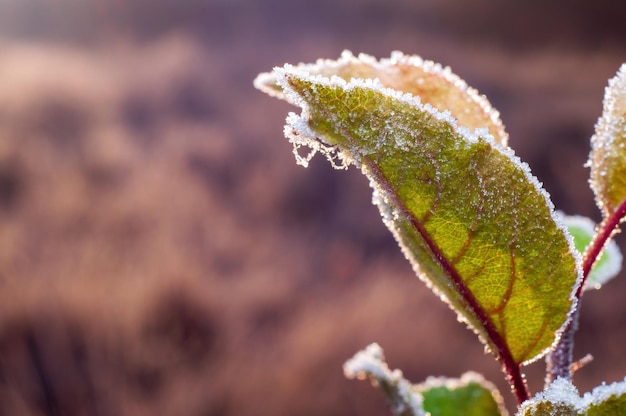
(431, 82)
(475, 224)
(470, 395)
(562, 399)
(559, 399)
(607, 401)
(608, 154)
(608, 264)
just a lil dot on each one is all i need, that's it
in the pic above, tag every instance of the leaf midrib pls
(503, 353)
(480, 314)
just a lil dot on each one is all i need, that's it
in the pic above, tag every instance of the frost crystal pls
(370, 363)
(602, 393)
(560, 394)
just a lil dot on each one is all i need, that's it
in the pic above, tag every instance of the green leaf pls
(608, 155)
(609, 262)
(561, 398)
(470, 217)
(471, 395)
(435, 85)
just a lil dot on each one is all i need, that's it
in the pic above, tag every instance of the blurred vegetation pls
(160, 252)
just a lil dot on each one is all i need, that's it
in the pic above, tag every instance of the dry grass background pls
(162, 254)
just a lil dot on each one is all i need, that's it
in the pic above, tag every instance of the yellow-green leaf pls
(476, 225)
(608, 154)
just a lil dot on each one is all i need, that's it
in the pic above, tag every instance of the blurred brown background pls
(162, 254)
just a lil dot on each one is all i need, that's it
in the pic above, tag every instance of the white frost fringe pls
(563, 392)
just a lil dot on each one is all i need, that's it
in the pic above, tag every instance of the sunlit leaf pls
(434, 85)
(608, 264)
(470, 217)
(561, 399)
(608, 154)
(471, 395)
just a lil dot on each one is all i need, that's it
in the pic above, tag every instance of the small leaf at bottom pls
(471, 395)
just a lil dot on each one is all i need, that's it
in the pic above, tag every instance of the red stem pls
(606, 230)
(560, 359)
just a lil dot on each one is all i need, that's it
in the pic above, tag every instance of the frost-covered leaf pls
(606, 400)
(434, 85)
(608, 154)
(562, 399)
(608, 264)
(471, 395)
(399, 392)
(559, 399)
(473, 221)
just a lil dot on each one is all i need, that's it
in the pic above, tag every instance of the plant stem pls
(516, 381)
(607, 228)
(559, 361)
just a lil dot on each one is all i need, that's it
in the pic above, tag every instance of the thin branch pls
(559, 361)
(606, 230)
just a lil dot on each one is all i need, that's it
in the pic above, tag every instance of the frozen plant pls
(474, 222)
